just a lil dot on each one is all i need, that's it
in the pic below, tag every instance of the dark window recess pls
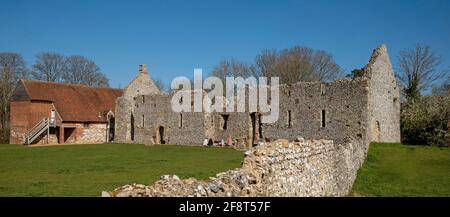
(323, 118)
(143, 99)
(297, 101)
(289, 119)
(180, 121)
(225, 122)
(132, 127)
(260, 126)
(143, 121)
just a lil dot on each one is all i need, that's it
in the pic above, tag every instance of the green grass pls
(401, 170)
(87, 170)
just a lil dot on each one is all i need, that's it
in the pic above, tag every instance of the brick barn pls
(57, 113)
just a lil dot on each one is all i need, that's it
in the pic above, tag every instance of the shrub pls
(426, 121)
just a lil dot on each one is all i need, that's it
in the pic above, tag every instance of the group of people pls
(228, 143)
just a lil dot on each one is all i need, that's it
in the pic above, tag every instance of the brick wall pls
(24, 115)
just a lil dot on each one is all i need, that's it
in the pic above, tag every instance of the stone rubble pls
(279, 168)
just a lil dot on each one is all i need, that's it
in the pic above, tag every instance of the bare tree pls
(265, 63)
(324, 66)
(80, 70)
(49, 67)
(232, 68)
(161, 85)
(297, 64)
(444, 88)
(12, 68)
(417, 70)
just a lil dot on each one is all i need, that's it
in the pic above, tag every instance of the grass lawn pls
(401, 170)
(87, 170)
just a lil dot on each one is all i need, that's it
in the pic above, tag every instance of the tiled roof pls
(74, 102)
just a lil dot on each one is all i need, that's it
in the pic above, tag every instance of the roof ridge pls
(68, 84)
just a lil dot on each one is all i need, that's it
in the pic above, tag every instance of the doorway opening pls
(252, 129)
(160, 135)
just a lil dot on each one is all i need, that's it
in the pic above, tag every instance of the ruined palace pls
(365, 108)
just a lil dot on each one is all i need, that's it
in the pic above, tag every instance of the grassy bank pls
(86, 170)
(401, 170)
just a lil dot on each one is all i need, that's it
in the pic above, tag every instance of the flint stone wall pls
(142, 84)
(280, 168)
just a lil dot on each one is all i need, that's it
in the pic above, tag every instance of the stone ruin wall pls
(365, 108)
(279, 168)
(142, 84)
(384, 98)
(345, 103)
(154, 111)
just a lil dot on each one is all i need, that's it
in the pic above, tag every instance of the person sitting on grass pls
(229, 141)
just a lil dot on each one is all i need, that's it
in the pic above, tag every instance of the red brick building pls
(48, 112)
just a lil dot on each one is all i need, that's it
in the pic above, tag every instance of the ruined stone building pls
(365, 108)
(56, 113)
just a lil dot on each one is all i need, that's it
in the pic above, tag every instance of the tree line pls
(291, 65)
(48, 66)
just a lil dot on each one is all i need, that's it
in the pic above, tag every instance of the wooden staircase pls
(38, 130)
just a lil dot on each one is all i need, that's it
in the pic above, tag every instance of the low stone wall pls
(280, 168)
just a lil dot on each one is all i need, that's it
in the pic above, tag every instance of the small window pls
(143, 121)
(289, 119)
(143, 99)
(297, 101)
(323, 118)
(86, 125)
(224, 122)
(180, 120)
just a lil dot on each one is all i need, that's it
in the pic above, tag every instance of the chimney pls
(143, 68)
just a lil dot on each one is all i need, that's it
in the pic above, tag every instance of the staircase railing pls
(37, 130)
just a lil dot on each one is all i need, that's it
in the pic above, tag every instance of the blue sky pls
(174, 37)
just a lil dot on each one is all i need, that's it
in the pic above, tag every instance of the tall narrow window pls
(225, 122)
(323, 118)
(143, 99)
(322, 89)
(132, 127)
(260, 126)
(289, 119)
(180, 120)
(143, 121)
